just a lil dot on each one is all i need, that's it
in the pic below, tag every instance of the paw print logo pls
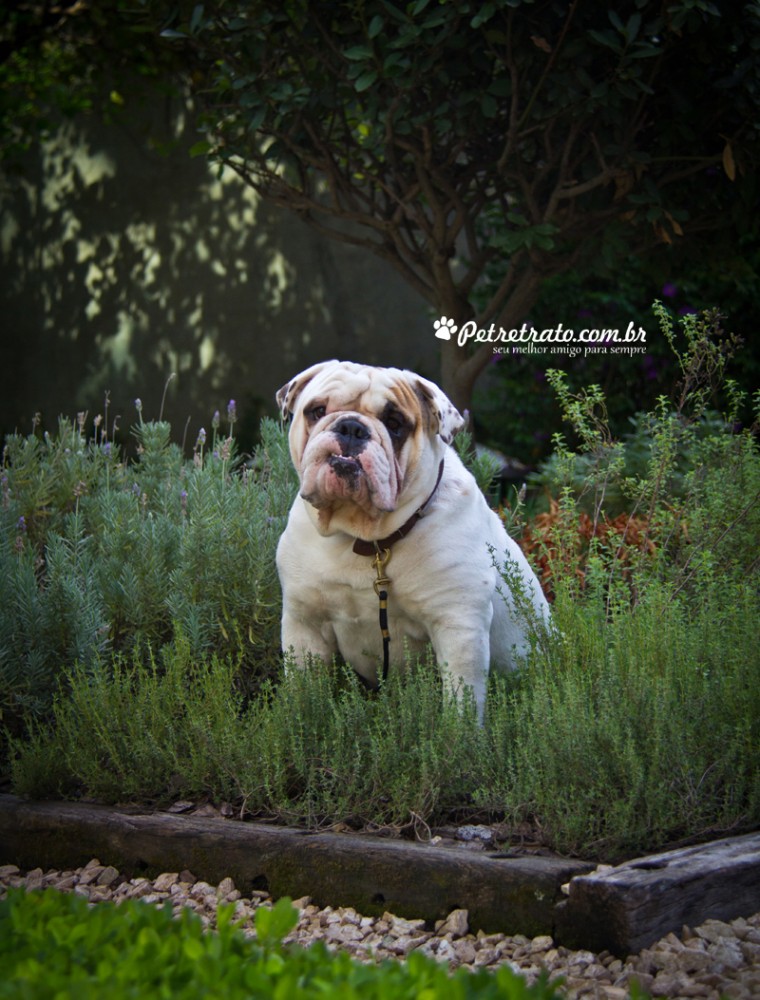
(444, 328)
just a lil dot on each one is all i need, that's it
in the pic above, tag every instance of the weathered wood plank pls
(511, 895)
(634, 904)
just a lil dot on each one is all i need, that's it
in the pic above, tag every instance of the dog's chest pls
(342, 593)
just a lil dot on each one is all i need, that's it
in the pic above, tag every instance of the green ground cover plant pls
(139, 638)
(53, 944)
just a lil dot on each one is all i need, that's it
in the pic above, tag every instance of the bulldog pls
(390, 539)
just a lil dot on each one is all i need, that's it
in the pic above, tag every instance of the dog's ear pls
(445, 418)
(286, 396)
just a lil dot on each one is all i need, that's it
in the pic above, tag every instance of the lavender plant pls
(99, 555)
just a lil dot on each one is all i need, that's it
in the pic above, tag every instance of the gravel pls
(712, 961)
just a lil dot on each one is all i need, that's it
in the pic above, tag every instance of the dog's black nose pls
(353, 435)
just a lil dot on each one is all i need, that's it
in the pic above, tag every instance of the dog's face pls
(361, 438)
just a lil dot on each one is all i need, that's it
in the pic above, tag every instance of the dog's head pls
(366, 441)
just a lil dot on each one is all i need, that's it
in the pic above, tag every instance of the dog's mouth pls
(347, 468)
(342, 478)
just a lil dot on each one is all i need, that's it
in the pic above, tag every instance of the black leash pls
(380, 561)
(381, 550)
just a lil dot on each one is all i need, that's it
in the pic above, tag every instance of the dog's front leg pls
(463, 657)
(303, 637)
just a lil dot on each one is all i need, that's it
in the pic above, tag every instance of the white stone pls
(456, 924)
(445, 952)
(166, 882)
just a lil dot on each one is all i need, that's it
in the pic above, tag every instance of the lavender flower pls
(232, 411)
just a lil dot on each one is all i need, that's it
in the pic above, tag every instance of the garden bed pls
(621, 909)
(372, 874)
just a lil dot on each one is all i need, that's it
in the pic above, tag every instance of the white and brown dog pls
(387, 508)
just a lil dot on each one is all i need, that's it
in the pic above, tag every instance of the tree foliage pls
(482, 147)
(479, 147)
(62, 60)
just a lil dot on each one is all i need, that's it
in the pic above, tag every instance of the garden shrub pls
(638, 730)
(642, 725)
(100, 557)
(328, 752)
(55, 944)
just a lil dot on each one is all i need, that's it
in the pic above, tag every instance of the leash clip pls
(382, 557)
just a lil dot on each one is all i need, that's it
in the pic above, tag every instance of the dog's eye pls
(315, 413)
(394, 422)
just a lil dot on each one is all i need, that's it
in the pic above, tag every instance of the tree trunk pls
(462, 366)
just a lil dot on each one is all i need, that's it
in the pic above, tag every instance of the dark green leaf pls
(196, 19)
(365, 81)
(358, 52)
(488, 106)
(607, 38)
(632, 28)
(375, 26)
(485, 13)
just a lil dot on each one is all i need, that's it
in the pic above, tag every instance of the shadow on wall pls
(122, 264)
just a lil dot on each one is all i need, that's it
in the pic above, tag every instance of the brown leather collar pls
(362, 548)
